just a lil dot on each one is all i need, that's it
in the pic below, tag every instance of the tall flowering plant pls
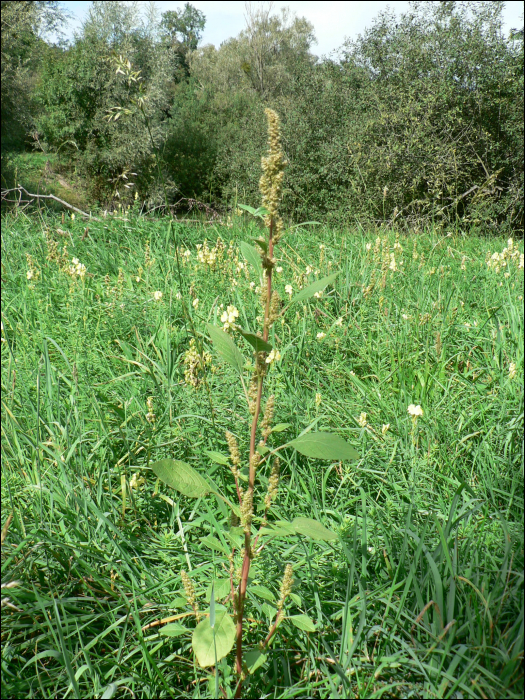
(218, 632)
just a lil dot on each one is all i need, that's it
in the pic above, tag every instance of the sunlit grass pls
(423, 594)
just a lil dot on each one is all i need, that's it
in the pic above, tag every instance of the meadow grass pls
(422, 593)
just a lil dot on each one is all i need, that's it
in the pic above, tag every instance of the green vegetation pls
(420, 595)
(418, 121)
(244, 456)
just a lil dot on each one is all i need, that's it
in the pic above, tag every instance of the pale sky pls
(333, 21)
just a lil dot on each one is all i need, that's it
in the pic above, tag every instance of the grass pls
(421, 595)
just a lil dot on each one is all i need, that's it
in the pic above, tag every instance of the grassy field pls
(420, 595)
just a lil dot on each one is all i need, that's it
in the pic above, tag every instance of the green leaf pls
(182, 477)
(213, 543)
(262, 243)
(269, 610)
(217, 457)
(262, 450)
(203, 643)
(226, 348)
(175, 629)
(302, 622)
(252, 256)
(321, 445)
(258, 344)
(281, 427)
(317, 286)
(212, 606)
(254, 659)
(222, 588)
(260, 212)
(312, 528)
(262, 592)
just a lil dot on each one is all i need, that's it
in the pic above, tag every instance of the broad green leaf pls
(281, 427)
(262, 243)
(175, 629)
(323, 445)
(269, 610)
(317, 286)
(252, 256)
(254, 659)
(258, 344)
(202, 639)
(302, 622)
(313, 528)
(217, 457)
(226, 347)
(182, 477)
(214, 543)
(262, 450)
(261, 212)
(222, 588)
(263, 592)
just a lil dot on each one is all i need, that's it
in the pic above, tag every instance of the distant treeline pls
(420, 119)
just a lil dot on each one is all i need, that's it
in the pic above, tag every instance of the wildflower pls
(393, 265)
(157, 296)
(362, 420)
(352, 373)
(150, 415)
(195, 364)
(286, 586)
(368, 246)
(29, 274)
(385, 428)
(72, 217)
(308, 270)
(274, 356)
(228, 317)
(512, 370)
(415, 411)
(289, 290)
(318, 295)
(464, 262)
(339, 321)
(195, 303)
(321, 335)
(137, 278)
(405, 316)
(318, 399)
(278, 269)
(136, 481)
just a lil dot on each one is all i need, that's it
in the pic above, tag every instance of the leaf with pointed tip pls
(262, 243)
(258, 344)
(203, 639)
(226, 347)
(175, 629)
(302, 622)
(254, 659)
(312, 528)
(252, 256)
(263, 592)
(323, 445)
(217, 457)
(182, 477)
(280, 427)
(316, 286)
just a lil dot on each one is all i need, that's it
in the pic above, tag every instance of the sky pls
(333, 21)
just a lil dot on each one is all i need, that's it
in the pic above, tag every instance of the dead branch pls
(21, 189)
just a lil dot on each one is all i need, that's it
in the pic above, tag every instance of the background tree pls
(183, 31)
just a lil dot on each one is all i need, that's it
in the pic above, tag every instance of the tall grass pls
(422, 594)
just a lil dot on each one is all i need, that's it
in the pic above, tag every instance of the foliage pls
(430, 512)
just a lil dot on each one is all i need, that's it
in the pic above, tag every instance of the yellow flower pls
(228, 317)
(274, 356)
(415, 410)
